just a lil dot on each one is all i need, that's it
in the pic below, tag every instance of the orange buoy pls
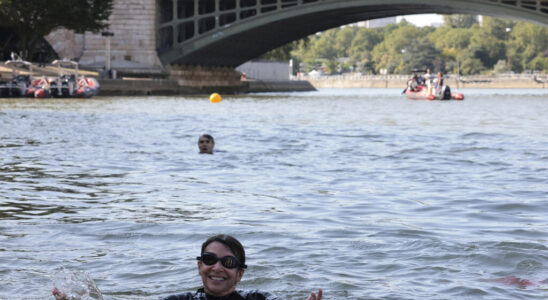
(215, 98)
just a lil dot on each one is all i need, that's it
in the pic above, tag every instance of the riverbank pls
(177, 81)
(400, 81)
(199, 81)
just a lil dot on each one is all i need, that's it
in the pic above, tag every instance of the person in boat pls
(413, 82)
(221, 266)
(439, 83)
(428, 77)
(206, 143)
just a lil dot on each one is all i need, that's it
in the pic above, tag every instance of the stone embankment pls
(183, 80)
(400, 81)
(170, 87)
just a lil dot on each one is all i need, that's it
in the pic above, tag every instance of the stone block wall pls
(203, 77)
(66, 43)
(133, 23)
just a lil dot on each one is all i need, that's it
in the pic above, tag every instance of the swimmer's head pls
(206, 143)
(232, 243)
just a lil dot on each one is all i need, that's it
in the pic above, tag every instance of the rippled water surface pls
(361, 192)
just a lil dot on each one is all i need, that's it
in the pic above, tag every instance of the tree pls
(527, 44)
(324, 46)
(360, 50)
(539, 63)
(421, 55)
(471, 66)
(467, 47)
(445, 37)
(460, 21)
(500, 67)
(283, 52)
(485, 46)
(388, 53)
(343, 40)
(31, 20)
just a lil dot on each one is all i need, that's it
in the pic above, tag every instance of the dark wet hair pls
(209, 137)
(231, 242)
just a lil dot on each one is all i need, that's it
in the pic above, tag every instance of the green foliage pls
(487, 48)
(462, 44)
(388, 53)
(526, 47)
(500, 67)
(460, 21)
(421, 55)
(30, 20)
(447, 38)
(471, 66)
(539, 63)
(497, 27)
(284, 52)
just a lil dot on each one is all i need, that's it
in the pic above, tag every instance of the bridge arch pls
(231, 32)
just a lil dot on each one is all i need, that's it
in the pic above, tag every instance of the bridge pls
(231, 32)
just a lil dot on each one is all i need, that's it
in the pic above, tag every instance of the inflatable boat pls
(422, 92)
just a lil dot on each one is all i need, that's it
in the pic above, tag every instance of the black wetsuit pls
(236, 295)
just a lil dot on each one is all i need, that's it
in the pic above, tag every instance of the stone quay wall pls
(205, 78)
(400, 81)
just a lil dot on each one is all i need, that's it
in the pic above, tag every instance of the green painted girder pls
(244, 39)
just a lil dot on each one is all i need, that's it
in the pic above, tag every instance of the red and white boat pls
(422, 92)
(65, 85)
(72, 85)
(39, 88)
(428, 87)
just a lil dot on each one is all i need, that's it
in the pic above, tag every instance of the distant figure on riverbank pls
(206, 143)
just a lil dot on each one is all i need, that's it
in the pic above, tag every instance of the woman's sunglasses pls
(229, 262)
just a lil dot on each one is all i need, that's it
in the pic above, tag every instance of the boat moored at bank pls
(68, 84)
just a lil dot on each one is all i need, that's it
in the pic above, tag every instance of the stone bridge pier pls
(133, 50)
(133, 46)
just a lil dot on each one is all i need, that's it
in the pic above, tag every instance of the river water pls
(357, 191)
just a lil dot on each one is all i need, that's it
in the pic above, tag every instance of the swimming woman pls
(221, 265)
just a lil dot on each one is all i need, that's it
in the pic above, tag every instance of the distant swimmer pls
(206, 143)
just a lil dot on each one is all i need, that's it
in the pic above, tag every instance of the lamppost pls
(384, 72)
(458, 69)
(508, 63)
(108, 35)
(403, 59)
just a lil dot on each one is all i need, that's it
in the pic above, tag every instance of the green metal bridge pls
(231, 32)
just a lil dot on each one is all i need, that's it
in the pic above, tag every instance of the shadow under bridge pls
(231, 32)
